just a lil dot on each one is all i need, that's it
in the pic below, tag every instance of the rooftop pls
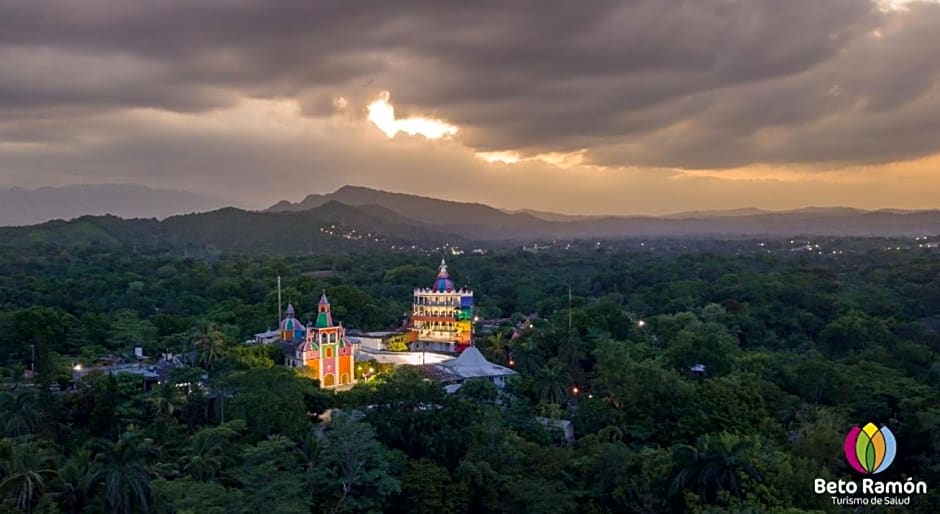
(472, 364)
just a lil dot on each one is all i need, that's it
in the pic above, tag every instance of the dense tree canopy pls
(696, 382)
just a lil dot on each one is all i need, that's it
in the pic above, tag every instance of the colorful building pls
(442, 315)
(292, 330)
(323, 352)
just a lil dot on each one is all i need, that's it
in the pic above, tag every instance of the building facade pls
(323, 353)
(442, 315)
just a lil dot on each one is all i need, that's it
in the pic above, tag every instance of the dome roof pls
(443, 281)
(443, 284)
(291, 324)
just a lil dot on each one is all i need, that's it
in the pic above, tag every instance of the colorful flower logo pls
(870, 449)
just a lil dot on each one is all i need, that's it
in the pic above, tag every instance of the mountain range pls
(357, 217)
(481, 222)
(20, 206)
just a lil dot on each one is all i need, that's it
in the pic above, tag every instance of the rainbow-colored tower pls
(442, 315)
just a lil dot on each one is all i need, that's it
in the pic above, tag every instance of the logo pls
(870, 450)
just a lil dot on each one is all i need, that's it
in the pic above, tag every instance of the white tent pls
(472, 364)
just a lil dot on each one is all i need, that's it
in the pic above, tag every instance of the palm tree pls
(209, 343)
(205, 460)
(75, 482)
(207, 453)
(124, 473)
(25, 476)
(166, 400)
(497, 347)
(527, 356)
(714, 464)
(551, 384)
(611, 434)
(19, 412)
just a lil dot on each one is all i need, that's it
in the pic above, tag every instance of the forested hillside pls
(328, 228)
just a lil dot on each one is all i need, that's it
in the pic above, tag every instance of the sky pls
(599, 107)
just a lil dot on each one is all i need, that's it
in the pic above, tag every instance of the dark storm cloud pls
(687, 83)
(877, 101)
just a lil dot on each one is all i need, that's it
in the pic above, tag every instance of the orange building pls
(324, 353)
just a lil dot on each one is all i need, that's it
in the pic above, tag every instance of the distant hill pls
(327, 228)
(553, 216)
(481, 222)
(875, 223)
(355, 218)
(19, 206)
(720, 213)
(474, 219)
